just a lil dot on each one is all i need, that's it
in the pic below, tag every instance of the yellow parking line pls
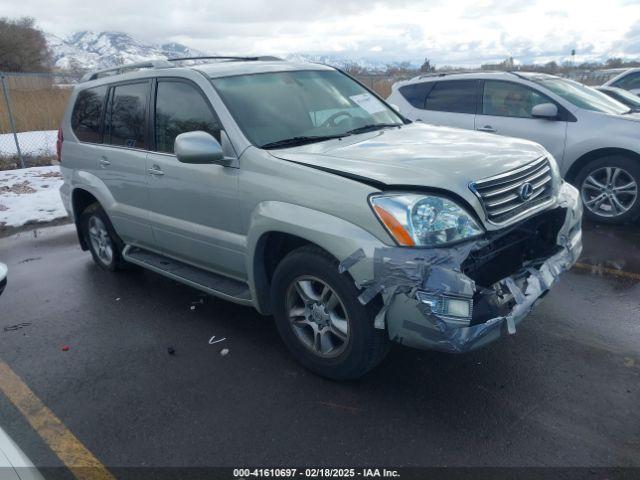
(608, 271)
(64, 444)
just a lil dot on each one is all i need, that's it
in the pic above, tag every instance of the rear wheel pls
(609, 189)
(320, 318)
(103, 242)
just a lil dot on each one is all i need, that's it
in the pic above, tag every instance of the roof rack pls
(166, 63)
(218, 57)
(158, 63)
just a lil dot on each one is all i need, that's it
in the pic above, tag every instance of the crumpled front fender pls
(400, 273)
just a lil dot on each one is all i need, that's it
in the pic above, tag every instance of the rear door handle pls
(487, 128)
(104, 162)
(155, 170)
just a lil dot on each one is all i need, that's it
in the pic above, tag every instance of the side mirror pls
(199, 148)
(395, 107)
(545, 110)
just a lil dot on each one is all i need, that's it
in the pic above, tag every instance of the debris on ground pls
(224, 352)
(65, 348)
(213, 340)
(30, 259)
(13, 328)
(171, 350)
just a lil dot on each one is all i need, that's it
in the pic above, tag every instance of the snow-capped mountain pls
(90, 50)
(87, 50)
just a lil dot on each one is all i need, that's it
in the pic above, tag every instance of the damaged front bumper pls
(434, 299)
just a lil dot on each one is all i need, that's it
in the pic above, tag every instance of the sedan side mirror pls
(545, 110)
(199, 148)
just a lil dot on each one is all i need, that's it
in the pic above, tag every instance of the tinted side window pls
(416, 93)
(507, 99)
(629, 82)
(126, 124)
(87, 114)
(458, 96)
(180, 107)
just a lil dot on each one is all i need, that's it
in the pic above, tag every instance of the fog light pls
(447, 305)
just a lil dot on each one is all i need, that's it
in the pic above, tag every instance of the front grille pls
(505, 196)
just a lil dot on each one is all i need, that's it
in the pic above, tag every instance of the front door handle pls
(487, 128)
(104, 162)
(155, 170)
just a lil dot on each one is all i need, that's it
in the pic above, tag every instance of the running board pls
(209, 282)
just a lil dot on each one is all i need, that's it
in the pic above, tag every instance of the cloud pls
(465, 32)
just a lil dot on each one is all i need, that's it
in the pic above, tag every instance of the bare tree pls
(427, 67)
(23, 47)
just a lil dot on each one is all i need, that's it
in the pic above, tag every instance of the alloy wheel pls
(609, 191)
(318, 316)
(100, 240)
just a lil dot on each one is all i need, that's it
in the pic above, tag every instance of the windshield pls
(275, 107)
(583, 96)
(626, 97)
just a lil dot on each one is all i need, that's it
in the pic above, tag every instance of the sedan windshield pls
(582, 96)
(283, 109)
(623, 96)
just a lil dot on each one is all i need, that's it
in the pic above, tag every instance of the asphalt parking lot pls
(564, 391)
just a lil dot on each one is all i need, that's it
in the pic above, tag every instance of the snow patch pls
(30, 195)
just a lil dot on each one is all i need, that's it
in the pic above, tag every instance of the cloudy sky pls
(465, 32)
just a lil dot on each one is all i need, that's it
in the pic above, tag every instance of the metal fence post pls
(5, 90)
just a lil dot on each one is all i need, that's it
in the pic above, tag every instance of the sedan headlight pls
(424, 220)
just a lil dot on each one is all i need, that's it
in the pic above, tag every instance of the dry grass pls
(379, 84)
(37, 109)
(13, 162)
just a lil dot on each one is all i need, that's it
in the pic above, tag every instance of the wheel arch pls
(278, 228)
(80, 200)
(574, 169)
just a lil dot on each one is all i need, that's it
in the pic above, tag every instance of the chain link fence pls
(31, 109)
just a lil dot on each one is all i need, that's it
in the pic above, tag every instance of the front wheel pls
(320, 318)
(609, 189)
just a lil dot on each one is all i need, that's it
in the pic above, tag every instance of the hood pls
(419, 155)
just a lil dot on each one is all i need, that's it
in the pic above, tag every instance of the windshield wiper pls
(294, 141)
(372, 127)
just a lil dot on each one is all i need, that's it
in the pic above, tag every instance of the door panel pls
(506, 110)
(193, 208)
(121, 161)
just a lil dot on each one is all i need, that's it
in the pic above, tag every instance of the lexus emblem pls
(525, 192)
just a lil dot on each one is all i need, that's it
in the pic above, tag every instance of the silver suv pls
(296, 190)
(593, 137)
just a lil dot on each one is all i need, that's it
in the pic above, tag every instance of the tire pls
(602, 202)
(104, 244)
(344, 323)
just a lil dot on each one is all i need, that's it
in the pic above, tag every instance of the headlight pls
(424, 220)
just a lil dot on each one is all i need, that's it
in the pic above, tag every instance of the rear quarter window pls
(416, 93)
(86, 116)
